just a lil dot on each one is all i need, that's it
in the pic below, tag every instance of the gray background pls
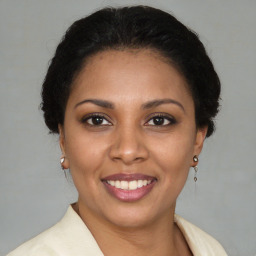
(34, 193)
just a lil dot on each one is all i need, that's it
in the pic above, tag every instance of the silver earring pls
(195, 159)
(62, 159)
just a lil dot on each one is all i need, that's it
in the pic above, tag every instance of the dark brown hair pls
(131, 27)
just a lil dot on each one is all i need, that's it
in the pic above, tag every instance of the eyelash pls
(86, 118)
(171, 120)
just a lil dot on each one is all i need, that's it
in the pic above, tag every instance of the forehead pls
(129, 74)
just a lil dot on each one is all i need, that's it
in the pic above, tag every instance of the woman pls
(132, 94)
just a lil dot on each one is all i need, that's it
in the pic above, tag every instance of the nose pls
(129, 147)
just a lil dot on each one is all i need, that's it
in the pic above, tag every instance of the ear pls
(62, 139)
(199, 141)
(65, 164)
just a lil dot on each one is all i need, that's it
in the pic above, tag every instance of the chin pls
(131, 217)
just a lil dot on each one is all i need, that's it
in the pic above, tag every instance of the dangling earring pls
(195, 159)
(62, 159)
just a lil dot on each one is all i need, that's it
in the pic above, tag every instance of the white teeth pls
(124, 184)
(129, 185)
(140, 183)
(117, 184)
(133, 185)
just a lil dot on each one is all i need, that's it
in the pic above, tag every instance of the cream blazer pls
(71, 237)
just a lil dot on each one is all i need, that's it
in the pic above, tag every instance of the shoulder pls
(43, 244)
(200, 243)
(70, 236)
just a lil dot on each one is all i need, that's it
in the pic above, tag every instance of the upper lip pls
(128, 177)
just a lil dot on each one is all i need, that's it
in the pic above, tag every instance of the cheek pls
(174, 155)
(85, 155)
(176, 146)
(85, 152)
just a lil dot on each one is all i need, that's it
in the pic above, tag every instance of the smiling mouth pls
(129, 187)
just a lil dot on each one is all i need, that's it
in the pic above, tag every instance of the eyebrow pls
(100, 103)
(156, 103)
(147, 105)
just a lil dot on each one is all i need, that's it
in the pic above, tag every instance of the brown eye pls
(96, 120)
(160, 120)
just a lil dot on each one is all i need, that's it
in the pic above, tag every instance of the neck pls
(161, 237)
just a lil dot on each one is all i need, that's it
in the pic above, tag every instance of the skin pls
(129, 141)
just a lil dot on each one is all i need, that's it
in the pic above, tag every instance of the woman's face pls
(129, 137)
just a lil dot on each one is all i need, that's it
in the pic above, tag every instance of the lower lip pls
(129, 195)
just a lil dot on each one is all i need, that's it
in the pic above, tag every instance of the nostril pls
(128, 158)
(128, 148)
(138, 158)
